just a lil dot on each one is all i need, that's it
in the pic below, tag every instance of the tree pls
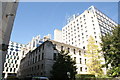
(111, 49)
(64, 67)
(94, 59)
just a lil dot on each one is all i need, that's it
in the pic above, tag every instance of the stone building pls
(39, 61)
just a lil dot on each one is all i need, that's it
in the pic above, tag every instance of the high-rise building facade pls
(7, 16)
(79, 28)
(17, 51)
(13, 58)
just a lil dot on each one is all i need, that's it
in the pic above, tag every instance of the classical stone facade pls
(39, 61)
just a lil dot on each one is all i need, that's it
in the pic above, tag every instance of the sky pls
(41, 18)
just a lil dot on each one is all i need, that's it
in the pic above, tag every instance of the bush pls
(85, 75)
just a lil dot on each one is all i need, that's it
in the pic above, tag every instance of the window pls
(35, 59)
(79, 52)
(16, 50)
(72, 42)
(61, 48)
(94, 32)
(10, 69)
(74, 51)
(12, 61)
(85, 61)
(42, 66)
(23, 52)
(42, 56)
(8, 60)
(75, 59)
(96, 41)
(16, 54)
(7, 56)
(82, 37)
(13, 53)
(11, 49)
(14, 69)
(38, 67)
(34, 44)
(80, 60)
(83, 47)
(86, 69)
(15, 61)
(18, 58)
(39, 49)
(39, 57)
(6, 69)
(68, 50)
(10, 57)
(6, 65)
(95, 37)
(54, 56)
(14, 57)
(83, 15)
(81, 69)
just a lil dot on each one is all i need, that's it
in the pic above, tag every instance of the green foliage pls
(111, 49)
(84, 75)
(63, 64)
(94, 59)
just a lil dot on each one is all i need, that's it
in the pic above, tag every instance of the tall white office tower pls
(7, 16)
(79, 28)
